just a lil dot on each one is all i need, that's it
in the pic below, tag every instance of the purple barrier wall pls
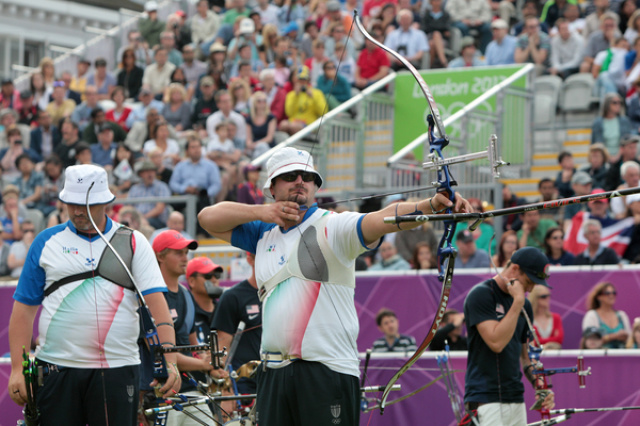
(414, 298)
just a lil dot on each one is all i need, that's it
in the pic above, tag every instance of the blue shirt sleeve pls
(246, 236)
(30, 289)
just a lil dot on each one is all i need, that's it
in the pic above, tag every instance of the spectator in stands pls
(469, 57)
(483, 234)
(174, 222)
(347, 66)
(120, 112)
(222, 151)
(628, 152)
(533, 46)
(12, 214)
(196, 175)
(598, 166)
(205, 105)
(566, 51)
(60, 107)
(139, 113)
(625, 11)
(600, 40)
(168, 42)
(270, 37)
(509, 199)
(408, 41)
(576, 22)
(268, 12)
(66, 78)
(47, 68)
(581, 184)
(469, 256)
(553, 248)
(563, 180)
(534, 229)
(246, 35)
(436, 24)
(83, 154)
(595, 253)
(501, 50)
(226, 112)
(192, 67)
(160, 138)
(316, 62)
(141, 52)
(630, 173)
(82, 113)
(19, 249)
(150, 27)
(235, 9)
(141, 132)
(122, 175)
(149, 186)
(249, 192)
(423, 257)
(9, 96)
(507, 246)
(609, 68)
(392, 341)
(30, 183)
(593, 19)
(240, 92)
(633, 249)
(40, 91)
(268, 84)
(130, 76)
(633, 101)
(177, 24)
(471, 14)
(548, 192)
(103, 152)
(129, 216)
(406, 242)
(163, 173)
(390, 259)
(176, 109)
(611, 126)
(8, 156)
(28, 113)
(9, 119)
(334, 86)
(46, 137)
(303, 105)
(591, 338)
(261, 126)
(157, 76)
(66, 149)
(547, 324)
(554, 9)
(633, 26)
(103, 80)
(4, 255)
(614, 324)
(634, 338)
(204, 25)
(450, 333)
(98, 118)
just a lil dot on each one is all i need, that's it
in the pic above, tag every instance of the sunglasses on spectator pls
(615, 102)
(24, 231)
(609, 293)
(544, 296)
(58, 84)
(208, 277)
(293, 176)
(556, 237)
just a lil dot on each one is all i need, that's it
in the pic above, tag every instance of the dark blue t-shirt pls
(493, 377)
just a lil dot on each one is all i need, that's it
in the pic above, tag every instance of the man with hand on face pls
(497, 341)
(88, 326)
(305, 271)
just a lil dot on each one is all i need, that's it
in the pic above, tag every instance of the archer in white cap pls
(305, 271)
(89, 325)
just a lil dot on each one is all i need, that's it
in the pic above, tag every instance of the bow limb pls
(423, 85)
(160, 371)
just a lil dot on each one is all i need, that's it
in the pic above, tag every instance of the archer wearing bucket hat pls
(305, 272)
(496, 325)
(89, 308)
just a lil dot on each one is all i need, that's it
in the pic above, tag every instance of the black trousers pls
(307, 394)
(94, 397)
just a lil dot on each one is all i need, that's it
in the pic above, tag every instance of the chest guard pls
(312, 259)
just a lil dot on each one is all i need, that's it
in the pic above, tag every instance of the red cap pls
(201, 265)
(598, 191)
(181, 13)
(171, 239)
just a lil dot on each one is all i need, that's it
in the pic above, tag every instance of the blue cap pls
(534, 263)
(291, 26)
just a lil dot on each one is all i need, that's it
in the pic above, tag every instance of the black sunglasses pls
(609, 293)
(293, 176)
(208, 277)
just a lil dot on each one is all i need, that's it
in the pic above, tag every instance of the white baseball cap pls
(247, 26)
(287, 160)
(78, 180)
(150, 6)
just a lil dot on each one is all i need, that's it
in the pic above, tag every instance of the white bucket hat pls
(287, 160)
(77, 181)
